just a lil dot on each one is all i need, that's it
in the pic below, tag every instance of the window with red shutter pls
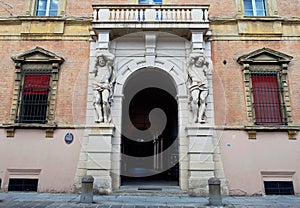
(266, 88)
(268, 107)
(34, 100)
(35, 88)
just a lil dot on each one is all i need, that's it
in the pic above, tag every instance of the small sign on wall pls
(69, 138)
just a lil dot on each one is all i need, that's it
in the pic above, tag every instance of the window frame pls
(269, 110)
(32, 6)
(33, 61)
(150, 3)
(280, 190)
(266, 60)
(37, 113)
(48, 9)
(271, 9)
(254, 9)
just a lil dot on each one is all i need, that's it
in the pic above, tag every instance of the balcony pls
(162, 17)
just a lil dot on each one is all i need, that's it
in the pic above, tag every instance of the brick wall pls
(71, 95)
(228, 78)
(81, 8)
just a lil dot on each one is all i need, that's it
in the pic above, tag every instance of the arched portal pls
(149, 141)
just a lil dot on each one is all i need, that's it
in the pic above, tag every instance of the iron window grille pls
(268, 103)
(266, 87)
(35, 88)
(279, 188)
(33, 96)
(22, 184)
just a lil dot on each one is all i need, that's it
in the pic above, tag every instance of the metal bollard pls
(215, 198)
(87, 189)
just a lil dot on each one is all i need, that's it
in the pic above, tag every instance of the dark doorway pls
(155, 161)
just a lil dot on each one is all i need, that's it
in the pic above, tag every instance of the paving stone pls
(128, 206)
(152, 207)
(116, 206)
(37, 200)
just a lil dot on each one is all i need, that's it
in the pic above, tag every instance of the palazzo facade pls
(150, 95)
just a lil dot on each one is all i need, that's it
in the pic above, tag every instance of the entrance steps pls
(147, 190)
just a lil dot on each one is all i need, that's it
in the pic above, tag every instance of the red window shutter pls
(266, 99)
(36, 84)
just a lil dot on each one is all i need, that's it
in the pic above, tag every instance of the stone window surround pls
(29, 60)
(271, 6)
(280, 62)
(31, 6)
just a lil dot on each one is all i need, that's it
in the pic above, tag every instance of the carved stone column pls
(96, 151)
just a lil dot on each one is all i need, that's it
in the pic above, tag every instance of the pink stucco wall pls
(29, 149)
(245, 159)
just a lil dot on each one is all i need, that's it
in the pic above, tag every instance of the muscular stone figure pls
(197, 69)
(102, 85)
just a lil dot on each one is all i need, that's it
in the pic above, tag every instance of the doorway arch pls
(149, 141)
(170, 73)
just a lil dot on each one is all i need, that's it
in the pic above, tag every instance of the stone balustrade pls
(151, 13)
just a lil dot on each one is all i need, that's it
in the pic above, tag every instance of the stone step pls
(150, 191)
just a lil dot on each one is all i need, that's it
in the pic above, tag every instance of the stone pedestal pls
(95, 157)
(201, 162)
(99, 152)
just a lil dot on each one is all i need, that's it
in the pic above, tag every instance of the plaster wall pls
(247, 163)
(30, 155)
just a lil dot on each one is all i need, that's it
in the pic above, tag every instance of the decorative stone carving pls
(103, 85)
(198, 69)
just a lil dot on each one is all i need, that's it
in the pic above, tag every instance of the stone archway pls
(169, 78)
(157, 52)
(149, 141)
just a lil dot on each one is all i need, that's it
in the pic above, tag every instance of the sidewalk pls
(46, 200)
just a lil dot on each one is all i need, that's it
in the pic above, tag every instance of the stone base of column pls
(97, 150)
(201, 160)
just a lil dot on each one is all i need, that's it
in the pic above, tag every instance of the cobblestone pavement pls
(46, 200)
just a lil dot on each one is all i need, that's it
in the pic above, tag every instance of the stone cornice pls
(45, 28)
(255, 28)
(257, 128)
(224, 20)
(217, 127)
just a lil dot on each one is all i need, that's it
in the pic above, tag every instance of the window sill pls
(11, 127)
(41, 18)
(271, 128)
(291, 130)
(260, 18)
